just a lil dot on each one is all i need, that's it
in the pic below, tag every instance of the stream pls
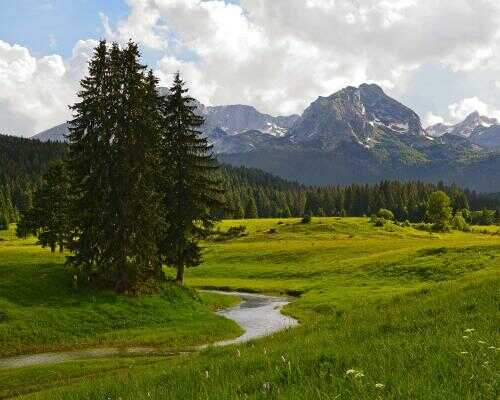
(259, 315)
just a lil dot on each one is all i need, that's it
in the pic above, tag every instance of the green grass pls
(392, 303)
(41, 311)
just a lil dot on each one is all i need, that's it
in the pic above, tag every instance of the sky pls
(439, 57)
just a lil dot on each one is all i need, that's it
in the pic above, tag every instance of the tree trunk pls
(180, 274)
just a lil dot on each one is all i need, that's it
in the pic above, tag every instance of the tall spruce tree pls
(48, 219)
(89, 166)
(192, 189)
(113, 152)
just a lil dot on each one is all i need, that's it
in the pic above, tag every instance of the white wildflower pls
(206, 374)
(465, 337)
(266, 385)
(283, 358)
(481, 342)
(350, 371)
(359, 375)
(379, 385)
(469, 330)
(238, 354)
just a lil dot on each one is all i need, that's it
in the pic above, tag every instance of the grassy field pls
(386, 313)
(41, 311)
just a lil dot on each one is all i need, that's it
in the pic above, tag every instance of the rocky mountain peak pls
(356, 114)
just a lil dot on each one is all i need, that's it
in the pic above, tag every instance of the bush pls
(483, 217)
(458, 222)
(306, 219)
(385, 214)
(422, 226)
(4, 223)
(377, 221)
(231, 233)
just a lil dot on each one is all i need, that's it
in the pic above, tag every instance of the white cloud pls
(279, 55)
(432, 119)
(461, 109)
(36, 92)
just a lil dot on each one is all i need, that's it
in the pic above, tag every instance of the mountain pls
(55, 134)
(358, 115)
(220, 123)
(358, 134)
(478, 129)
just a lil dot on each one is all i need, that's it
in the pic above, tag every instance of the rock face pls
(55, 134)
(239, 118)
(477, 129)
(358, 134)
(358, 115)
(438, 130)
(220, 123)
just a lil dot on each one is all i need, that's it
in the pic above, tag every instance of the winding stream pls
(259, 315)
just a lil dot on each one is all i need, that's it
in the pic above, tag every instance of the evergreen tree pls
(192, 190)
(89, 164)
(251, 209)
(48, 218)
(113, 163)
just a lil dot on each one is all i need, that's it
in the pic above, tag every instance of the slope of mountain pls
(358, 134)
(478, 129)
(359, 115)
(230, 119)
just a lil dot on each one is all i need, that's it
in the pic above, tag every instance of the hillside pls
(250, 192)
(356, 135)
(391, 306)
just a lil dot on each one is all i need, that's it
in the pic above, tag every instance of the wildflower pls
(464, 352)
(359, 375)
(465, 337)
(492, 348)
(283, 358)
(238, 354)
(266, 385)
(469, 330)
(265, 350)
(206, 374)
(481, 342)
(379, 385)
(350, 371)
(149, 395)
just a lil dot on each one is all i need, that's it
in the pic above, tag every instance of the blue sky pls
(277, 55)
(54, 26)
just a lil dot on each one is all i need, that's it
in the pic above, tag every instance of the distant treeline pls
(22, 164)
(250, 193)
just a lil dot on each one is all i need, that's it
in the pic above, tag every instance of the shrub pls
(458, 222)
(377, 221)
(439, 211)
(306, 219)
(231, 233)
(4, 223)
(385, 214)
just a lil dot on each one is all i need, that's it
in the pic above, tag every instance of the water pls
(259, 315)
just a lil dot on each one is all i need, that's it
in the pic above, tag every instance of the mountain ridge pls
(357, 134)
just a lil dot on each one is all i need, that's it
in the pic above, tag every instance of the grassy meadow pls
(386, 313)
